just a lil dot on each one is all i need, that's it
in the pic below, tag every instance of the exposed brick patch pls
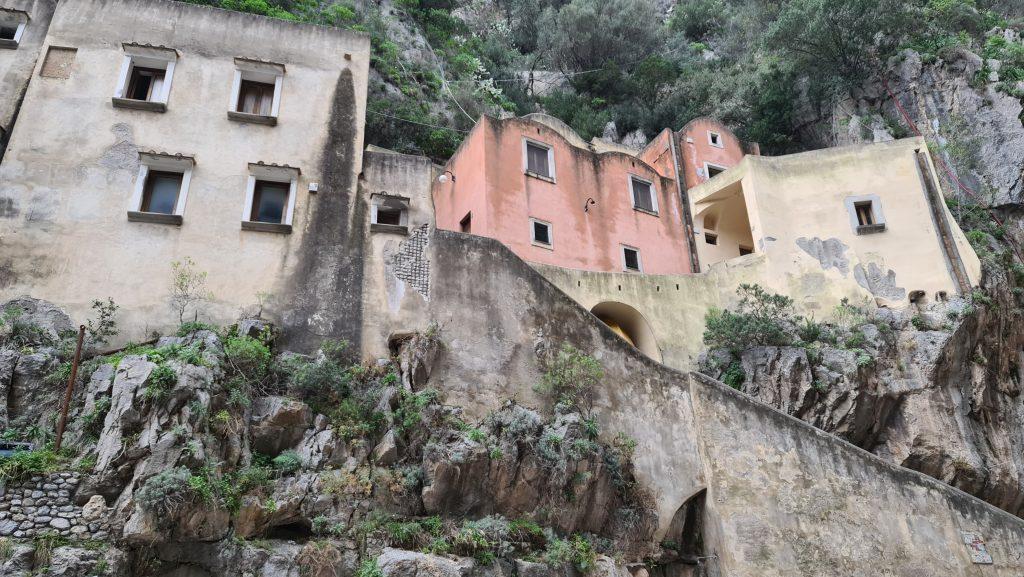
(410, 263)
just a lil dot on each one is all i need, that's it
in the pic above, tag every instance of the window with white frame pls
(145, 80)
(12, 27)
(713, 170)
(540, 233)
(161, 188)
(538, 159)
(631, 259)
(715, 139)
(389, 213)
(256, 91)
(865, 214)
(270, 198)
(643, 195)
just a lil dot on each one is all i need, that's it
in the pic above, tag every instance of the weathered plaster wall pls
(71, 167)
(696, 149)
(391, 300)
(16, 66)
(799, 219)
(787, 499)
(588, 239)
(673, 305)
(782, 497)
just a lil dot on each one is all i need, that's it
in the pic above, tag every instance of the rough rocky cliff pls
(201, 454)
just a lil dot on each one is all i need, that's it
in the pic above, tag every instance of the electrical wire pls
(417, 122)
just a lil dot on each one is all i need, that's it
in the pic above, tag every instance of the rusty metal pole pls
(67, 392)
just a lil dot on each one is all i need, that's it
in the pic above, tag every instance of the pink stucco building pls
(553, 198)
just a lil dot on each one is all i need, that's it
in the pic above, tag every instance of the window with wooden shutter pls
(255, 98)
(145, 84)
(537, 159)
(643, 195)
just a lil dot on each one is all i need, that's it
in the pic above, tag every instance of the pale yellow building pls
(154, 131)
(868, 223)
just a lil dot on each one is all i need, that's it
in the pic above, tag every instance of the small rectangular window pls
(537, 159)
(255, 97)
(269, 200)
(389, 216)
(541, 232)
(643, 195)
(714, 171)
(161, 191)
(390, 210)
(710, 238)
(631, 259)
(12, 28)
(745, 250)
(715, 139)
(8, 31)
(466, 224)
(145, 84)
(865, 214)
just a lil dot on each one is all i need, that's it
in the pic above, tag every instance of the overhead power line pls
(417, 122)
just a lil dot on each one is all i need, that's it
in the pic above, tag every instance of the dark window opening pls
(865, 214)
(145, 83)
(631, 256)
(710, 238)
(8, 32)
(744, 250)
(389, 215)
(643, 198)
(256, 98)
(714, 171)
(541, 233)
(716, 139)
(466, 224)
(268, 201)
(160, 193)
(537, 159)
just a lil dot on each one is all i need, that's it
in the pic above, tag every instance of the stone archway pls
(628, 323)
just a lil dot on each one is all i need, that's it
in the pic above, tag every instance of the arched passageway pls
(628, 323)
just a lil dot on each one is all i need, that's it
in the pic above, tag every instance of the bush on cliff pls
(760, 319)
(570, 377)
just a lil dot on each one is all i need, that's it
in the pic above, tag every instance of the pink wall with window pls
(491, 181)
(700, 149)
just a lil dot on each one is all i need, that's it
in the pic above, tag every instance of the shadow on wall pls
(628, 323)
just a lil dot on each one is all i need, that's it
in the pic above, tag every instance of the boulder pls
(278, 423)
(400, 563)
(48, 317)
(386, 451)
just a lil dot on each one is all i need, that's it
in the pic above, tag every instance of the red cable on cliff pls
(949, 172)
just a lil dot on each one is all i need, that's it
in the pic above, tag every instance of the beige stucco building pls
(230, 139)
(23, 25)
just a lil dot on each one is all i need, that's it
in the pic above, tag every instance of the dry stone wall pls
(43, 504)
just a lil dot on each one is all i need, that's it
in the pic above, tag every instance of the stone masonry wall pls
(42, 504)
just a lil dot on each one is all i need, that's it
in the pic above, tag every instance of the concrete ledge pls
(8, 44)
(645, 211)
(139, 104)
(540, 176)
(155, 217)
(252, 118)
(390, 228)
(267, 227)
(871, 228)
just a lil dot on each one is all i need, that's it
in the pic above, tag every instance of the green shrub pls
(190, 327)
(288, 462)
(100, 329)
(570, 377)
(760, 319)
(919, 322)
(734, 375)
(165, 492)
(27, 463)
(92, 422)
(409, 413)
(576, 550)
(160, 382)
(369, 568)
(248, 360)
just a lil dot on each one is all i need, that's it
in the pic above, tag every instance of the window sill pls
(252, 118)
(8, 44)
(871, 228)
(542, 245)
(154, 217)
(540, 177)
(645, 211)
(139, 104)
(389, 228)
(267, 227)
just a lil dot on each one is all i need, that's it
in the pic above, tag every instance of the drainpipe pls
(687, 217)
